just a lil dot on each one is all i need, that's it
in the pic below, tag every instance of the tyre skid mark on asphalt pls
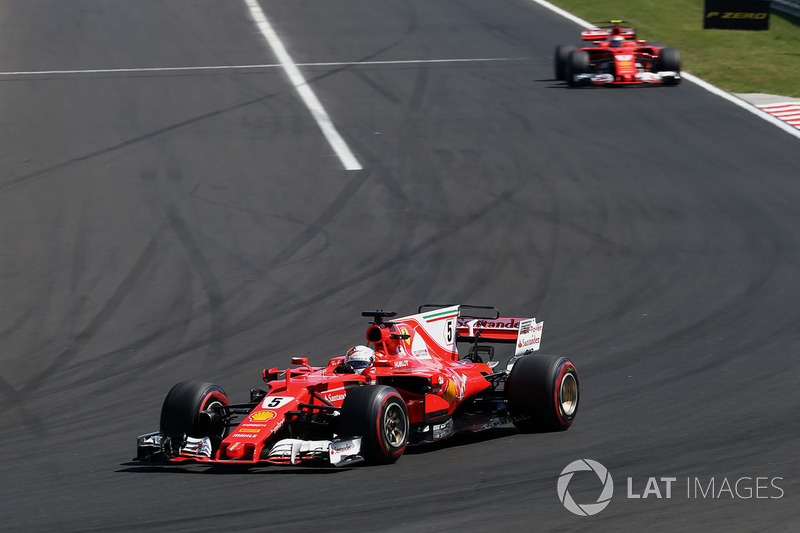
(209, 282)
(417, 96)
(369, 60)
(112, 304)
(267, 312)
(378, 88)
(30, 176)
(125, 370)
(310, 229)
(317, 226)
(17, 397)
(14, 403)
(219, 330)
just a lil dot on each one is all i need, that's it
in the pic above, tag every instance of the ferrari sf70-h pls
(416, 389)
(616, 57)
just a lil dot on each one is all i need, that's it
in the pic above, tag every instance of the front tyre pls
(182, 408)
(669, 59)
(378, 414)
(543, 390)
(577, 63)
(561, 54)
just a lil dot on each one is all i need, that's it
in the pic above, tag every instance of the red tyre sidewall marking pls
(213, 394)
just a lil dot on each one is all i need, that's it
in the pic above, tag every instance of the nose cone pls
(243, 451)
(626, 67)
(235, 450)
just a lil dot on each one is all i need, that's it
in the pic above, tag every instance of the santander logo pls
(528, 342)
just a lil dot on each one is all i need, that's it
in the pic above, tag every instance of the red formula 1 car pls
(617, 58)
(410, 387)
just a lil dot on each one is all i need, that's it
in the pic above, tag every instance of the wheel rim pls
(211, 406)
(394, 426)
(568, 394)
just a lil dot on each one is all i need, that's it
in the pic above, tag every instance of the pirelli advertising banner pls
(736, 15)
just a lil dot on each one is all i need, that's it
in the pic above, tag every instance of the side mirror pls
(302, 361)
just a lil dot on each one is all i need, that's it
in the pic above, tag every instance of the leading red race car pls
(617, 58)
(411, 387)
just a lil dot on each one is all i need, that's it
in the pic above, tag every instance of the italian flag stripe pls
(433, 317)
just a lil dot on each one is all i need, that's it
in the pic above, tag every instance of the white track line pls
(168, 70)
(306, 94)
(694, 79)
(763, 115)
(566, 14)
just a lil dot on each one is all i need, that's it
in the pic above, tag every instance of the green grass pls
(734, 60)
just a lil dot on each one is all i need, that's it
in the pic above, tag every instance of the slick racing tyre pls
(577, 63)
(376, 413)
(181, 412)
(562, 53)
(670, 60)
(543, 390)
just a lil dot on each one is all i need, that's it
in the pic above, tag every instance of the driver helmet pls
(617, 40)
(359, 357)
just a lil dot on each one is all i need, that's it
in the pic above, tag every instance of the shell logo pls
(262, 416)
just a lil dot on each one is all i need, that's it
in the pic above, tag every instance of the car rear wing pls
(597, 34)
(476, 324)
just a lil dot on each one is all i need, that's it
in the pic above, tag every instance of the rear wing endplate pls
(526, 333)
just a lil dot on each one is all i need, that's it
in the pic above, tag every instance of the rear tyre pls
(561, 55)
(180, 413)
(577, 63)
(544, 391)
(378, 414)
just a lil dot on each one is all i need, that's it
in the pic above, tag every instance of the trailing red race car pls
(617, 58)
(410, 387)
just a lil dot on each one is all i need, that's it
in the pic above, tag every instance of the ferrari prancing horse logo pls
(404, 331)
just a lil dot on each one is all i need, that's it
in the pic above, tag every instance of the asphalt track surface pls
(171, 225)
